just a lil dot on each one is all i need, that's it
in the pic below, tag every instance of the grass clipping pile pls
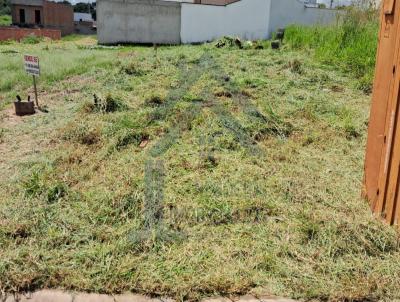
(192, 171)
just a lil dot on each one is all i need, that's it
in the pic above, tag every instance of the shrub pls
(81, 133)
(133, 69)
(33, 185)
(5, 20)
(154, 101)
(351, 43)
(32, 39)
(56, 192)
(109, 104)
(129, 137)
(229, 42)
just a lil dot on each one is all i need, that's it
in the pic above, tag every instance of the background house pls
(83, 17)
(84, 24)
(43, 14)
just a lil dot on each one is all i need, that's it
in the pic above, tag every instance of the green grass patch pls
(350, 44)
(55, 64)
(5, 20)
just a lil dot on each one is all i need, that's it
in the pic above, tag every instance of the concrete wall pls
(83, 17)
(247, 19)
(15, 33)
(138, 21)
(287, 12)
(85, 28)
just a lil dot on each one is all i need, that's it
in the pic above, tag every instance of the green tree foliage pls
(5, 8)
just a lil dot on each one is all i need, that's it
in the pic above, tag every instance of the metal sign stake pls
(32, 67)
(36, 94)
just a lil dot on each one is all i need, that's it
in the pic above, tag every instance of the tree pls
(5, 7)
(81, 7)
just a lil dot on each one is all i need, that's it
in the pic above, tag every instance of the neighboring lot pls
(194, 171)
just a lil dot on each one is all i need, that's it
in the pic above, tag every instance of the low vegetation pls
(351, 44)
(5, 12)
(188, 171)
(5, 20)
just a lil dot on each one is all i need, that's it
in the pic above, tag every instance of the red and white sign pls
(32, 65)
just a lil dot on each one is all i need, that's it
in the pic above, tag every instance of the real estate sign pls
(32, 65)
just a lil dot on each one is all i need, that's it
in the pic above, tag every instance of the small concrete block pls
(217, 299)
(164, 299)
(275, 299)
(248, 298)
(8, 298)
(93, 298)
(132, 298)
(17, 298)
(42, 296)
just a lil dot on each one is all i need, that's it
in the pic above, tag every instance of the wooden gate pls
(382, 164)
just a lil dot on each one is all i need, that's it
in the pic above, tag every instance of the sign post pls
(32, 67)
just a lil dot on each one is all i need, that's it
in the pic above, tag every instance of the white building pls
(83, 17)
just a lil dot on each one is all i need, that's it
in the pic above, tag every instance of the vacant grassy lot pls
(188, 171)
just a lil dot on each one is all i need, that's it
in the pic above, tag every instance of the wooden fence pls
(382, 164)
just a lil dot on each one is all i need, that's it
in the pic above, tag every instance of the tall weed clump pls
(350, 43)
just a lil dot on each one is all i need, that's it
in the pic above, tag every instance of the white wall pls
(82, 16)
(287, 12)
(138, 21)
(247, 19)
